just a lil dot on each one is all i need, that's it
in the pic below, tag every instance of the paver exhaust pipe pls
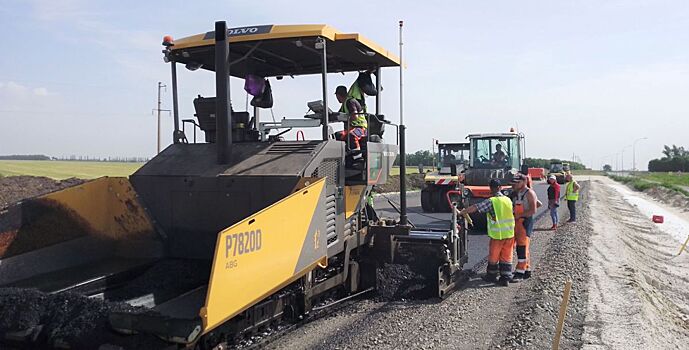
(223, 117)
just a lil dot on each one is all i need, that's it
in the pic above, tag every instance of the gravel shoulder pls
(638, 284)
(477, 316)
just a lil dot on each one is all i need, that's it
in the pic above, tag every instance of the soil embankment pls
(413, 181)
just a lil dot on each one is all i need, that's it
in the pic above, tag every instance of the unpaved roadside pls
(638, 286)
(478, 316)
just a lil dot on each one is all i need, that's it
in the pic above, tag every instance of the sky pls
(578, 78)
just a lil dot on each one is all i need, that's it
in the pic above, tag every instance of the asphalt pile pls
(405, 282)
(165, 279)
(78, 322)
(16, 188)
(67, 320)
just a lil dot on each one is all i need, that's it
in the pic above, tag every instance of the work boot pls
(553, 228)
(527, 275)
(490, 278)
(504, 281)
(517, 277)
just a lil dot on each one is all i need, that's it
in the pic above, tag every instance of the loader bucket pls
(97, 223)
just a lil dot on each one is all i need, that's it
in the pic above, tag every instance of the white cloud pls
(41, 91)
(63, 10)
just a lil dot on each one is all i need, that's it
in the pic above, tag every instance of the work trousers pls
(572, 206)
(522, 241)
(353, 137)
(500, 257)
(554, 215)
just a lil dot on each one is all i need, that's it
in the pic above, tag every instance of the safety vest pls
(359, 120)
(502, 225)
(570, 195)
(355, 92)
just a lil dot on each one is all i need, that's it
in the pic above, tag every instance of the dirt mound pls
(16, 188)
(669, 197)
(413, 181)
(69, 320)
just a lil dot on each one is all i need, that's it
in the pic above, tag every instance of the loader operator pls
(500, 220)
(499, 157)
(525, 202)
(355, 129)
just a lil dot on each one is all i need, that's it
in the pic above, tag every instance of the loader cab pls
(556, 167)
(452, 154)
(496, 151)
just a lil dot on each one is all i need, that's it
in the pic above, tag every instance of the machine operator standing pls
(500, 220)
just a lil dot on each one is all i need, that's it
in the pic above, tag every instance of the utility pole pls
(158, 110)
(433, 152)
(634, 152)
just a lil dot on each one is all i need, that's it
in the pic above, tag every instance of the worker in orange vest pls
(524, 202)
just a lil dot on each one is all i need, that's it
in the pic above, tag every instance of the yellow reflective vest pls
(502, 225)
(359, 120)
(570, 195)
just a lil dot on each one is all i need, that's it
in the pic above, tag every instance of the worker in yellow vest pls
(500, 220)
(571, 196)
(355, 128)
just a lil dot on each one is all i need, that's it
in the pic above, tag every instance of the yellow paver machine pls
(253, 229)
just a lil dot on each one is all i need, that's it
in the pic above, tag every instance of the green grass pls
(681, 179)
(588, 172)
(66, 169)
(643, 183)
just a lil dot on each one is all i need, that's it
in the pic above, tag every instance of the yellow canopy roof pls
(277, 50)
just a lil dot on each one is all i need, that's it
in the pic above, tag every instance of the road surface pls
(478, 241)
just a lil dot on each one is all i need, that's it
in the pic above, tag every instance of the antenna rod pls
(403, 155)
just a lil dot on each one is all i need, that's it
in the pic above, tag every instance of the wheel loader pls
(452, 158)
(258, 229)
(492, 156)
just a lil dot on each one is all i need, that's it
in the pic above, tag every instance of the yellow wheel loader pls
(452, 158)
(254, 229)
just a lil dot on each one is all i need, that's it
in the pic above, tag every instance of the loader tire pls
(427, 196)
(441, 204)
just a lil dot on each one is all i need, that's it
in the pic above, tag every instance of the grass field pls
(644, 181)
(588, 172)
(66, 169)
(681, 179)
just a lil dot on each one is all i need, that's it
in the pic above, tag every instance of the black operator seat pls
(205, 113)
